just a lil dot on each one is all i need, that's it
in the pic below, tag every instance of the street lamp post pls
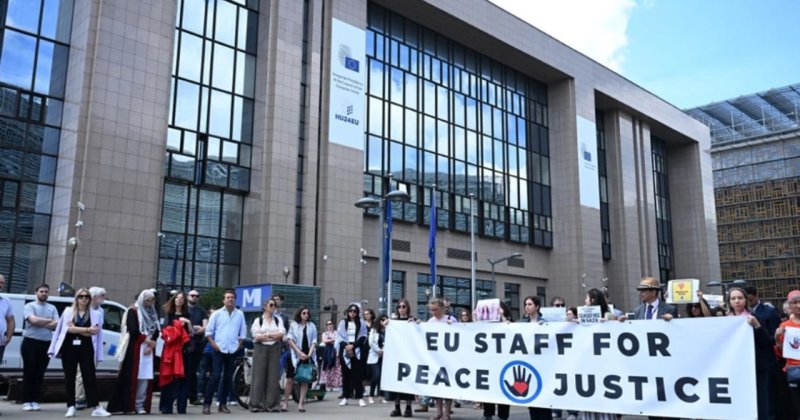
(380, 203)
(493, 262)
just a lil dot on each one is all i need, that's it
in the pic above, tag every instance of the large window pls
(209, 143)
(33, 66)
(602, 172)
(663, 217)
(439, 113)
(455, 289)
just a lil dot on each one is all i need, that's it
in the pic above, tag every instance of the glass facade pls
(209, 143)
(439, 113)
(512, 299)
(455, 289)
(663, 217)
(602, 172)
(34, 49)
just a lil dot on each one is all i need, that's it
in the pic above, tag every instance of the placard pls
(682, 291)
(791, 343)
(488, 310)
(589, 314)
(554, 313)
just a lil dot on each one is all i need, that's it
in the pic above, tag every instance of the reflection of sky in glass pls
(23, 14)
(186, 105)
(57, 19)
(223, 68)
(193, 15)
(220, 114)
(191, 56)
(226, 18)
(16, 63)
(396, 86)
(44, 66)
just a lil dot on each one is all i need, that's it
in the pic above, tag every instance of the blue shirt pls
(227, 328)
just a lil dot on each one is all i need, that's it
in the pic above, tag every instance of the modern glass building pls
(225, 142)
(755, 142)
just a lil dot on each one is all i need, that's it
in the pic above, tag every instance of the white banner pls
(695, 368)
(587, 163)
(348, 66)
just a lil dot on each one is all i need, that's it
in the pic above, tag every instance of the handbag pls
(793, 374)
(304, 374)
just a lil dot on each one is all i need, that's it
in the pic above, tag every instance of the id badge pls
(76, 342)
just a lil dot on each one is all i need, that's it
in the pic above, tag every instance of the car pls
(112, 323)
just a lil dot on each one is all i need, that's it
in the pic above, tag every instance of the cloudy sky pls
(689, 52)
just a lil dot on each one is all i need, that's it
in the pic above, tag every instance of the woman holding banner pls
(503, 409)
(436, 307)
(765, 356)
(402, 312)
(595, 297)
(532, 304)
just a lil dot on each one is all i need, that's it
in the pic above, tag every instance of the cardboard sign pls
(714, 300)
(791, 343)
(589, 314)
(554, 313)
(488, 310)
(682, 291)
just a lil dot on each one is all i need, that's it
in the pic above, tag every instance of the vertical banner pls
(348, 65)
(587, 163)
(687, 368)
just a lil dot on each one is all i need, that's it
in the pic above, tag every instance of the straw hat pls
(649, 283)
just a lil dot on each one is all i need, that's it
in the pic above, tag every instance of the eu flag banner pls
(432, 240)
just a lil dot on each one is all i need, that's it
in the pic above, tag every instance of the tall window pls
(512, 298)
(455, 289)
(33, 66)
(602, 171)
(440, 113)
(207, 166)
(663, 218)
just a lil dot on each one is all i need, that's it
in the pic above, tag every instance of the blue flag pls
(432, 240)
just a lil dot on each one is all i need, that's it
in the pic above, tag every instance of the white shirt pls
(227, 328)
(260, 327)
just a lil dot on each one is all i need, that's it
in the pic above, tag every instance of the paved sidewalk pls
(327, 409)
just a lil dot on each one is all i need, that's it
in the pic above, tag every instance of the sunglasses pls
(352, 310)
(402, 306)
(194, 295)
(559, 305)
(83, 297)
(303, 313)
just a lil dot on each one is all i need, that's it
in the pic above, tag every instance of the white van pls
(12, 361)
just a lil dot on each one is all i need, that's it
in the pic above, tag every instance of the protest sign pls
(554, 313)
(714, 300)
(488, 310)
(589, 314)
(682, 291)
(698, 368)
(791, 343)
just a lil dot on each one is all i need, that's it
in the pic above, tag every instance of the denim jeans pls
(221, 369)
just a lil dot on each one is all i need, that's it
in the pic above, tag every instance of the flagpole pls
(472, 250)
(432, 240)
(387, 283)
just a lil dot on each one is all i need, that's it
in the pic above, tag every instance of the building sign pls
(587, 163)
(682, 368)
(250, 298)
(348, 66)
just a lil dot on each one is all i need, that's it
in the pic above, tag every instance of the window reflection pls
(16, 63)
(24, 15)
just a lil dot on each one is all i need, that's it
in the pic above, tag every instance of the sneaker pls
(141, 411)
(343, 402)
(371, 400)
(35, 406)
(362, 403)
(422, 409)
(27, 407)
(100, 412)
(70, 411)
(233, 403)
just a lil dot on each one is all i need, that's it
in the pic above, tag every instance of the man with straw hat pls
(652, 306)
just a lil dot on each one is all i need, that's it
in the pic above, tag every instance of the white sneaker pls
(100, 412)
(27, 407)
(35, 406)
(343, 402)
(371, 400)
(362, 403)
(70, 411)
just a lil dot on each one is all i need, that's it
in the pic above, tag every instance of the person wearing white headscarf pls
(134, 384)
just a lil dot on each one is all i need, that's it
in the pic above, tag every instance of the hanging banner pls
(587, 164)
(692, 368)
(348, 64)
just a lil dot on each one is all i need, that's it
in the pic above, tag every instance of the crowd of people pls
(197, 359)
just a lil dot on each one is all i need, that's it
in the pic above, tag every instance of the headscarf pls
(148, 318)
